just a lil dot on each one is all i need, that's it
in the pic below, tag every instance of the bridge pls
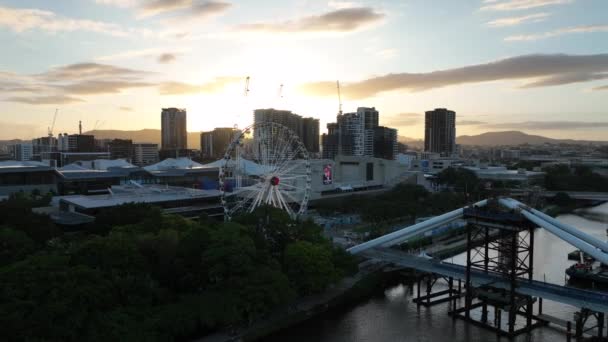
(499, 267)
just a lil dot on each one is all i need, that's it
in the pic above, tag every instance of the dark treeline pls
(579, 178)
(146, 276)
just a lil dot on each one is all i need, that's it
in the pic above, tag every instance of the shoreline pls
(349, 291)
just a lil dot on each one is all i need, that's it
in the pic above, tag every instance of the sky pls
(538, 66)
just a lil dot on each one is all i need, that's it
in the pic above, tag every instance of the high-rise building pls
(121, 149)
(75, 143)
(370, 122)
(214, 143)
(22, 152)
(440, 131)
(43, 146)
(310, 134)
(352, 134)
(173, 129)
(385, 142)
(145, 154)
(306, 128)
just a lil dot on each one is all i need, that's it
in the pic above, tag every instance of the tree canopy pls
(140, 275)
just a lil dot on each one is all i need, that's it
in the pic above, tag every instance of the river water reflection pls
(393, 317)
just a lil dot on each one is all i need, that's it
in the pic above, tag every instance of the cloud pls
(470, 123)
(160, 6)
(513, 5)
(44, 100)
(387, 53)
(559, 32)
(601, 88)
(118, 3)
(548, 125)
(209, 8)
(21, 20)
(80, 71)
(59, 85)
(181, 10)
(513, 21)
(341, 20)
(103, 87)
(566, 79)
(166, 58)
(179, 88)
(402, 119)
(527, 67)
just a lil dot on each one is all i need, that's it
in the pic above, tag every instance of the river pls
(391, 316)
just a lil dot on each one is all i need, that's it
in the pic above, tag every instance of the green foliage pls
(16, 212)
(14, 246)
(460, 179)
(309, 267)
(405, 201)
(155, 277)
(562, 199)
(580, 178)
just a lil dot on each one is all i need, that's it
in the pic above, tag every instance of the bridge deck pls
(593, 300)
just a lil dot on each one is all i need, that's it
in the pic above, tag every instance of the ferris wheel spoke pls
(289, 158)
(286, 193)
(289, 170)
(279, 153)
(243, 202)
(294, 187)
(285, 205)
(285, 149)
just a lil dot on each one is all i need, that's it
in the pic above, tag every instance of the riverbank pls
(349, 291)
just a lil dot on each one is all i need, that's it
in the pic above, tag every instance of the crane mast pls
(52, 127)
(339, 98)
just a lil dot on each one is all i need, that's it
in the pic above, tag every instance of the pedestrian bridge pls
(499, 266)
(597, 301)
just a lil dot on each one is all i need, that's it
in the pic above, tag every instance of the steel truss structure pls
(501, 243)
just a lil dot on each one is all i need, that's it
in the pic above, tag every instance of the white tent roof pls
(17, 163)
(98, 164)
(251, 168)
(172, 163)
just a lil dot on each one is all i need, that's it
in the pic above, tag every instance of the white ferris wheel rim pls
(282, 181)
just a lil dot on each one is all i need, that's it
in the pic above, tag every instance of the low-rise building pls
(174, 200)
(26, 176)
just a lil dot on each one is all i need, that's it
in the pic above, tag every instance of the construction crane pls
(339, 98)
(52, 127)
(246, 85)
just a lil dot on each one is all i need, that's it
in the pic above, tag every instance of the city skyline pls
(539, 66)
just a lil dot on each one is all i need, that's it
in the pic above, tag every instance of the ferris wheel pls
(265, 164)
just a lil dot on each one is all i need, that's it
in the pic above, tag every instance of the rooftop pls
(135, 193)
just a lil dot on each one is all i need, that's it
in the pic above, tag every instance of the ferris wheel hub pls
(274, 181)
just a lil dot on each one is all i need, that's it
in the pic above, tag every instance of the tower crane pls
(339, 98)
(52, 127)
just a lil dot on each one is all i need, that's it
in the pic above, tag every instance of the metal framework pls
(265, 164)
(503, 244)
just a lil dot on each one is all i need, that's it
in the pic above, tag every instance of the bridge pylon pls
(501, 243)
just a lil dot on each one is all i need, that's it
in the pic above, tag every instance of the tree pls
(14, 246)
(309, 267)
(44, 298)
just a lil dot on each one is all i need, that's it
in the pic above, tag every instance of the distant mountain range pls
(505, 138)
(514, 138)
(485, 139)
